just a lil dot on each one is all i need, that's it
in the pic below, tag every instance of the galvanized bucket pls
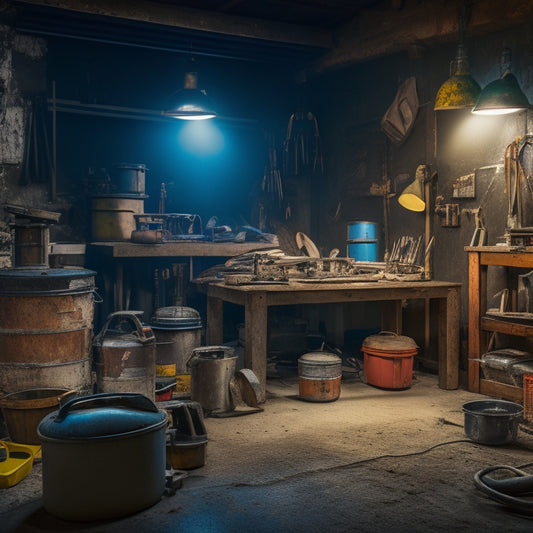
(212, 368)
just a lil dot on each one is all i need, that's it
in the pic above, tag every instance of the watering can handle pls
(145, 334)
(188, 362)
(131, 400)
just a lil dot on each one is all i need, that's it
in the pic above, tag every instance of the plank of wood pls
(500, 390)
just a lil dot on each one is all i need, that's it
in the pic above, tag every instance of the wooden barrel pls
(112, 216)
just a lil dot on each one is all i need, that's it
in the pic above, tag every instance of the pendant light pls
(190, 103)
(502, 96)
(460, 89)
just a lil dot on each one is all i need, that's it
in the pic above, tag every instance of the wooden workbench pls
(121, 253)
(256, 298)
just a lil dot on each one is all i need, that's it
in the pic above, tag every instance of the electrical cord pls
(348, 465)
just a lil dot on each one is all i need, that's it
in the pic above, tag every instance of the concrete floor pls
(374, 460)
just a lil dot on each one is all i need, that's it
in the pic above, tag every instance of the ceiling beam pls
(195, 19)
(377, 33)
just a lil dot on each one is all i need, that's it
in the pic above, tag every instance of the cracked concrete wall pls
(22, 63)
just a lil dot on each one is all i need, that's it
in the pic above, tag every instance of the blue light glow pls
(201, 138)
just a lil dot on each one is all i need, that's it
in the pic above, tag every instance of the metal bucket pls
(320, 375)
(129, 178)
(46, 324)
(112, 216)
(212, 368)
(125, 355)
(178, 331)
(492, 422)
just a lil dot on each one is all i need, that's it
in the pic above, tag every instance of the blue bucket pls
(361, 230)
(362, 242)
(363, 250)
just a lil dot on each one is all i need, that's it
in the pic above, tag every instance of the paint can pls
(319, 376)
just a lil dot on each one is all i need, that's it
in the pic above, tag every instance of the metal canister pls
(212, 368)
(178, 331)
(319, 376)
(46, 327)
(125, 355)
(128, 178)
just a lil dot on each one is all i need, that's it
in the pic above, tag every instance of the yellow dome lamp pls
(413, 196)
(460, 89)
(417, 197)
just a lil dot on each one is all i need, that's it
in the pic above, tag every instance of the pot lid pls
(132, 166)
(320, 358)
(389, 341)
(176, 317)
(102, 416)
(212, 352)
(46, 280)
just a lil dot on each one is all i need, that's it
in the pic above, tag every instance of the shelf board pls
(506, 327)
(501, 390)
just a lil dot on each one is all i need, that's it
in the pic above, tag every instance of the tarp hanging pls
(401, 115)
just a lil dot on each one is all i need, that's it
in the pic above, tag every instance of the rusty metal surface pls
(125, 360)
(42, 347)
(50, 313)
(73, 376)
(319, 389)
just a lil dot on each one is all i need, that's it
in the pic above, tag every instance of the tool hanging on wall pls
(272, 183)
(384, 190)
(518, 166)
(448, 213)
(162, 197)
(37, 166)
(302, 150)
(479, 238)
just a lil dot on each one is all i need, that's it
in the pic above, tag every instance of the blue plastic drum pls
(362, 242)
(360, 230)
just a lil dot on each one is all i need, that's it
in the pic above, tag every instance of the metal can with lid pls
(319, 376)
(178, 331)
(103, 456)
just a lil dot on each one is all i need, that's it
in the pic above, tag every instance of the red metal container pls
(388, 360)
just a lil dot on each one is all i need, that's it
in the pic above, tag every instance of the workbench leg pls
(119, 287)
(391, 315)
(477, 304)
(215, 322)
(448, 339)
(255, 328)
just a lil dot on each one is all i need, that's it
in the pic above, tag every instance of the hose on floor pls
(514, 491)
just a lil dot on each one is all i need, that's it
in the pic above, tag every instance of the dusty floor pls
(374, 460)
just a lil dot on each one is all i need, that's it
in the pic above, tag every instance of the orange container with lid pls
(388, 360)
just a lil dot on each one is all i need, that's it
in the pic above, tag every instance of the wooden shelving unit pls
(480, 326)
